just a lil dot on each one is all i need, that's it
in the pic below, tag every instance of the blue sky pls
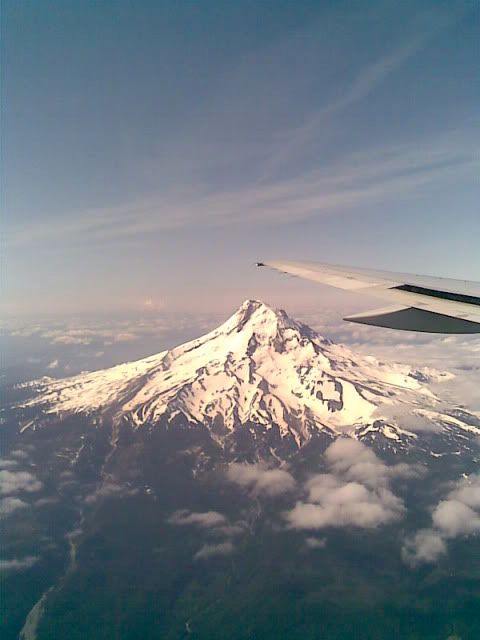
(153, 151)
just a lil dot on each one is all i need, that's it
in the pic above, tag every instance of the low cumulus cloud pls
(458, 515)
(315, 543)
(7, 463)
(109, 490)
(204, 519)
(426, 546)
(214, 524)
(355, 492)
(209, 550)
(339, 504)
(15, 481)
(229, 530)
(406, 417)
(9, 505)
(71, 340)
(20, 454)
(260, 479)
(42, 502)
(355, 461)
(126, 336)
(18, 564)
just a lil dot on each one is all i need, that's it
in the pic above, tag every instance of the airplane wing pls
(417, 303)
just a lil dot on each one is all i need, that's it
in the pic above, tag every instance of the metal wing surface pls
(417, 303)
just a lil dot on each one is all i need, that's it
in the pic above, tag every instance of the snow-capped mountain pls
(227, 429)
(264, 369)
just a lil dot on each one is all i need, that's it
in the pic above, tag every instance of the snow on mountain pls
(259, 367)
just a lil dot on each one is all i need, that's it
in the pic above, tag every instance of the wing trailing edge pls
(423, 303)
(412, 319)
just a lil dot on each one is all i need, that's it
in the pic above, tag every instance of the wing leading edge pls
(420, 303)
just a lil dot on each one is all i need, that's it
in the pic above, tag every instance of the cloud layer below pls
(458, 515)
(355, 493)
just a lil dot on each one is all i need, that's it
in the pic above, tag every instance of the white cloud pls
(125, 336)
(270, 482)
(468, 491)
(355, 493)
(14, 481)
(109, 490)
(9, 505)
(209, 550)
(53, 365)
(354, 179)
(204, 519)
(46, 501)
(315, 543)
(457, 515)
(229, 530)
(18, 453)
(425, 546)
(454, 518)
(18, 564)
(407, 418)
(357, 462)
(7, 464)
(334, 503)
(362, 84)
(70, 340)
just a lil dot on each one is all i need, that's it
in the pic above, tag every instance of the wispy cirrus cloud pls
(360, 86)
(332, 183)
(337, 114)
(355, 179)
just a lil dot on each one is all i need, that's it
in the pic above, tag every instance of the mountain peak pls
(250, 308)
(251, 304)
(257, 316)
(259, 367)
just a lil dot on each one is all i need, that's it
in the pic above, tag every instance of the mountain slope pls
(260, 367)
